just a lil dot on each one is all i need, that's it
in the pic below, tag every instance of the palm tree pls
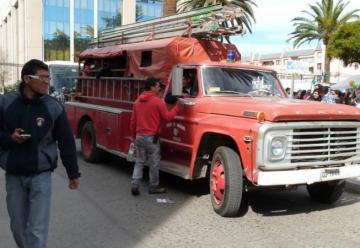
(245, 5)
(324, 19)
(61, 44)
(111, 22)
(89, 31)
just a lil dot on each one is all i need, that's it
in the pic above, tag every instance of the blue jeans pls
(28, 202)
(147, 153)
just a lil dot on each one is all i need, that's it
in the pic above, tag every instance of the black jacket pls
(46, 121)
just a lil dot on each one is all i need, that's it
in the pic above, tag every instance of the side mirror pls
(176, 78)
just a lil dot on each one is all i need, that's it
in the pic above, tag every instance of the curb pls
(353, 185)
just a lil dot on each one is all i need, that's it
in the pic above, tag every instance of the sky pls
(273, 25)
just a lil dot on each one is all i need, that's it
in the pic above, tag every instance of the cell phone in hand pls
(26, 135)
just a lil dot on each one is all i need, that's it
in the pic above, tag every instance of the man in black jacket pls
(32, 126)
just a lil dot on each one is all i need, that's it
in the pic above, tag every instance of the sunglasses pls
(41, 78)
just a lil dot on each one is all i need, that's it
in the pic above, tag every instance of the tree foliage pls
(245, 5)
(323, 19)
(12, 87)
(344, 43)
(57, 48)
(112, 21)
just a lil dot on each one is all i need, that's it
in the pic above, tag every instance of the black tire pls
(88, 143)
(226, 182)
(326, 192)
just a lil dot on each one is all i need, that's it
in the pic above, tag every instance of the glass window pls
(62, 75)
(148, 9)
(56, 28)
(109, 13)
(220, 81)
(83, 26)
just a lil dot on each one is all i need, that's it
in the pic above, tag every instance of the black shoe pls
(156, 190)
(135, 189)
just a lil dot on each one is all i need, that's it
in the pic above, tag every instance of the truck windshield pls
(242, 82)
(63, 76)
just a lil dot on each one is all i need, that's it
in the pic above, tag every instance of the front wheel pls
(226, 182)
(326, 192)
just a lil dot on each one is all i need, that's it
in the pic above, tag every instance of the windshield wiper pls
(230, 92)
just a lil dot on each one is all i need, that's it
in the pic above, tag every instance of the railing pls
(120, 89)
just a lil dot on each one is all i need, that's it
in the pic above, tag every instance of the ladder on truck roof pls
(210, 22)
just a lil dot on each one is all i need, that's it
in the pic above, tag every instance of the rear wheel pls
(226, 182)
(326, 192)
(88, 143)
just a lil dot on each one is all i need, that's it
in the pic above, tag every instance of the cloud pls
(276, 37)
(246, 49)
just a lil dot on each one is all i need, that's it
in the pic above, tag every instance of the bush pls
(12, 87)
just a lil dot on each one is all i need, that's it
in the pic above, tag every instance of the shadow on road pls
(288, 202)
(105, 196)
(268, 202)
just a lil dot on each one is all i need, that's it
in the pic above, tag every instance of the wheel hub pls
(86, 143)
(217, 182)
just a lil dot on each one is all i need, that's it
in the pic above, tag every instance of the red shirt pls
(150, 113)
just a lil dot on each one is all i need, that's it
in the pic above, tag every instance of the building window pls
(148, 9)
(318, 66)
(56, 30)
(277, 62)
(268, 63)
(146, 58)
(356, 66)
(110, 13)
(83, 24)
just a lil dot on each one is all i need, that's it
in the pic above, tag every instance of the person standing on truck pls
(32, 126)
(148, 116)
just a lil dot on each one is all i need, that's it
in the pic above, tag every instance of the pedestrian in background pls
(327, 95)
(349, 97)
(338, 96)
(32, 126)
(148, 116)
(315, 96)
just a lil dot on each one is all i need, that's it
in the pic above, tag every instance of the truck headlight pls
(277, 148)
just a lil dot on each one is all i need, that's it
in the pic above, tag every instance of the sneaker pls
(156, 190)
(135, 189)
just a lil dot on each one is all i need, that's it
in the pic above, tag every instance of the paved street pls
(103, 214)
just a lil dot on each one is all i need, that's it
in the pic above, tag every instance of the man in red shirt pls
(148, 116)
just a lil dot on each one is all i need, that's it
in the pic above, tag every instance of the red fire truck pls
(238, 127)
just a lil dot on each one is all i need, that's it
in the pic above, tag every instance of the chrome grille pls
(322, 144)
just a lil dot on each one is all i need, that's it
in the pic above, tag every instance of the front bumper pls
(307, 176)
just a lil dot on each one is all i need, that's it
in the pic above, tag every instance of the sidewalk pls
(353, 185)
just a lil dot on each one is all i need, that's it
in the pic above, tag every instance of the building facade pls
(59, 29)
(306, 67)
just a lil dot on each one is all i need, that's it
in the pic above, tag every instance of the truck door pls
(178, 135)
